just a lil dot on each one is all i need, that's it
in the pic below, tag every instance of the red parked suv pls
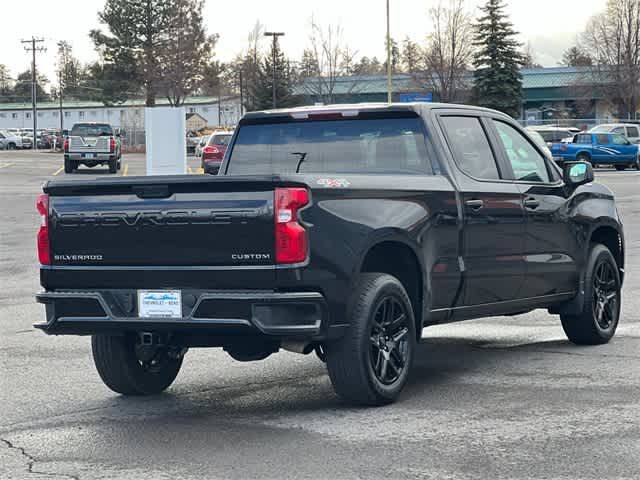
(213, 152)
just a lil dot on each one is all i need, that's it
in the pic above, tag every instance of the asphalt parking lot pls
(498, 398)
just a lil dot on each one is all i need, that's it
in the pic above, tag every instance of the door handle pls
(474, 204)
(531, 203)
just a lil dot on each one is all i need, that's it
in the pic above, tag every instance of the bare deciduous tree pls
(613, 40)
(440, 65)
(448, 52)
(328, 58)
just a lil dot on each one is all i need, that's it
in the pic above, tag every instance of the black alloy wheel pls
(389, 340)
(605, 295)
(598, 319)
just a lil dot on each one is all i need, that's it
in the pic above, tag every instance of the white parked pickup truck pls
(92, 144)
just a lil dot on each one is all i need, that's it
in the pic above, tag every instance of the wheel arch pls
(609, 236)
(397, 258)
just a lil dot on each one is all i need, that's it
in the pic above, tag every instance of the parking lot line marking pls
(4, 165)
(190, 170)
(58, 171)
(125, 170)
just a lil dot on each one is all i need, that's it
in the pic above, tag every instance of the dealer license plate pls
(159, 303)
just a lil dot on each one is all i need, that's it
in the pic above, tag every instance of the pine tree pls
(283, 77)
(497, 82)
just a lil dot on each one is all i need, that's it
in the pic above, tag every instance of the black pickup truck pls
(342, 230)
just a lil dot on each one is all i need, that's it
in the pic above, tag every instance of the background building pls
(128, 115)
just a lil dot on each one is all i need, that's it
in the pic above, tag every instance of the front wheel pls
(601, 311)
(370, 364)
(129, 368)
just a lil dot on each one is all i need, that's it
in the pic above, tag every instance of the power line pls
(34, 85)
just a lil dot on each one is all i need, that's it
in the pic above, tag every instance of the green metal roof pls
(532, 78)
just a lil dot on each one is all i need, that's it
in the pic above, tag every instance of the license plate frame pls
(160, 303)
(89, 156)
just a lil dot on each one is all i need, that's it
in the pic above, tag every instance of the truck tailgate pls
(162, 221)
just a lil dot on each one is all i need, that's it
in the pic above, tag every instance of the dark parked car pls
(342, 230)
(213, 152)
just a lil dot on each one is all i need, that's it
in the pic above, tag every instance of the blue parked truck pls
(598, 148)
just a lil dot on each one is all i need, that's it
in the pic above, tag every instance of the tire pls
(119, 165)
(620, 167)
(68, 166)
(585, 158)
(113, 165)
(11, 146)
(598, 321)
(117, 363)
(355, 362)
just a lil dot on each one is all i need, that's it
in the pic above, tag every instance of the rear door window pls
(584, 138)
(378, 145)
(470, 147)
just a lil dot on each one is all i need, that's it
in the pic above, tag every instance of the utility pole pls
(219, 103)
(34, 85)
(275, 36)
(60, 99)
(388, 57)
(241, 99)
(61, 69)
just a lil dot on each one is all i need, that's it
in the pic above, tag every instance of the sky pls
(550, 26)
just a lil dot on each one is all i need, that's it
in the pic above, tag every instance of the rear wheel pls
(599, 318)
(583, 157)
(11, 146)
(129, 368)
(370, 364)
(113, 165)
(68, 165)
(637, 163)
(620, 167)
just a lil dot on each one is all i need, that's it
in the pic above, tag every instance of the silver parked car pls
(629, 130)
(11, 140)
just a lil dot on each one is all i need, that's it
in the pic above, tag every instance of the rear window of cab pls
(377, 145)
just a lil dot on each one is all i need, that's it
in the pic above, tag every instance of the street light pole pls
(275, 36)
(388, 56)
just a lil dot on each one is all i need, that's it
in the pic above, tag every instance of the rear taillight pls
(112, 145)
(44, 251)
(291, 237)
(210, 149)
(65, 145)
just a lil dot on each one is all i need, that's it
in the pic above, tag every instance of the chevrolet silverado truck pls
(91, 144)
(341, 230)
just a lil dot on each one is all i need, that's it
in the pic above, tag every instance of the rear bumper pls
(291, 314)
(212, 168)
(98, 157)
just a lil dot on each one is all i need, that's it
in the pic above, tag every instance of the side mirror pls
(577, 173)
